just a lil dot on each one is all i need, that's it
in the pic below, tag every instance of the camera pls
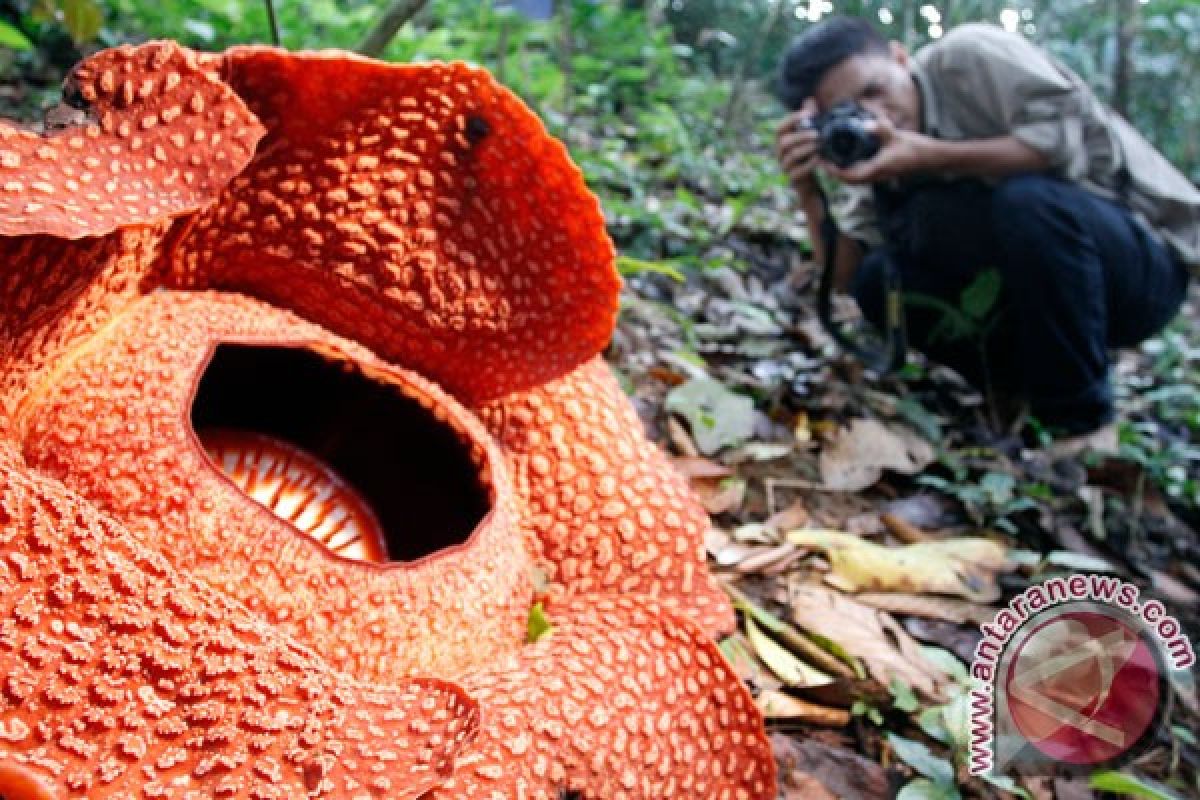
(842, 137)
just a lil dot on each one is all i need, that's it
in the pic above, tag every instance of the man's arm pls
(796, 149)
(904, 153)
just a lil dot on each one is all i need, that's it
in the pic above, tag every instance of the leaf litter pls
(865, 529)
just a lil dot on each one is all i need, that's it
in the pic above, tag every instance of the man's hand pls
(900, 153)
(796, 149)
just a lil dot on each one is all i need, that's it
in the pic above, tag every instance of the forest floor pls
(821, 481)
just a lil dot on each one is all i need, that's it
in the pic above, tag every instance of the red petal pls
(167, 136)
(622, 700)
(609, 510)
(55, 294)
(422, 210)
(122, 677)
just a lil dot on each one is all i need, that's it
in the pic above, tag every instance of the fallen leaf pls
(740, 654)
(963, 566)
(755, 533)
(538, 624)
(715, 539)
(932, 606)
(903, 530)
(680, 438)
(960, 640)
(802, 786)
(1130, 785)
(717, 417)
(921, 758)
(1079, 562)
(781, 661)
(843, 772)
(860, 453)
(794, 516)
(925, 789)
(766, 558)
(692, 467)
(801, 428)
(720, 495)
(759, 451)
(874, 637)
(778, 705)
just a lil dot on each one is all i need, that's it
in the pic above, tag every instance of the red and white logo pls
(1083, 688)
(1074, 671)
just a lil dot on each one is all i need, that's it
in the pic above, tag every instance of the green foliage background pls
(648, 93)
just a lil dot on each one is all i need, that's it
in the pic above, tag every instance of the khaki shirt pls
(980, 81)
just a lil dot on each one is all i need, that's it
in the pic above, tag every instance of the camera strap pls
(890, 355)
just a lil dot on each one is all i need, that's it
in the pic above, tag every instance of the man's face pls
(879, 83)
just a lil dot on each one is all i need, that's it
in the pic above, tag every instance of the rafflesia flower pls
(301, 409)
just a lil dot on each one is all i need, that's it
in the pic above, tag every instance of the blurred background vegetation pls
(666, 104)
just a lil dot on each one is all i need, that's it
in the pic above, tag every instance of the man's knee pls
(1035, 216)
(1025, 199)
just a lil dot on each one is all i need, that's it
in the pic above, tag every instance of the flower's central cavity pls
(352, 462)
(299, 489)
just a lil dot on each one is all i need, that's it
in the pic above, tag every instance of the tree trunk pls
(389, 22)
(1126, 18)
(738, 86)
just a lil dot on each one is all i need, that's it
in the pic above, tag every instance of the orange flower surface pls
(301, 410)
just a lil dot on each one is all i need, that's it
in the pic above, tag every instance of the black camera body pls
(842, 136)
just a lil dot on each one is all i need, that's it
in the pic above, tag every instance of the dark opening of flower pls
(357, 465)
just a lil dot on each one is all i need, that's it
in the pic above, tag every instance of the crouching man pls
(992, 155)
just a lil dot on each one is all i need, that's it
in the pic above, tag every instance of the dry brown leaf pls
(873, 636)
(803, 786)
(779, 705)
(933, 607)
(903, 530)
(680, 438)
(766, 558)
(715, 539)
(720, 495)
(836, 767)
(794, 516)
(962, 566)
(860, 453)
(692, 467)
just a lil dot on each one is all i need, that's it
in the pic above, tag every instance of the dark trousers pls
(1079, 276)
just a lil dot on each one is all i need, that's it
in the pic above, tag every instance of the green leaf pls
(903, 697)
(628, 265)
(538, 625)
(12, 38)
(1007, 784)
(920, 758)
(924, 789)
(930, 720)
(861, 709)
(718, 417)
(1184, 734)
(980, 297)
(947, 662)
(1123, 783)
(82, 19)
